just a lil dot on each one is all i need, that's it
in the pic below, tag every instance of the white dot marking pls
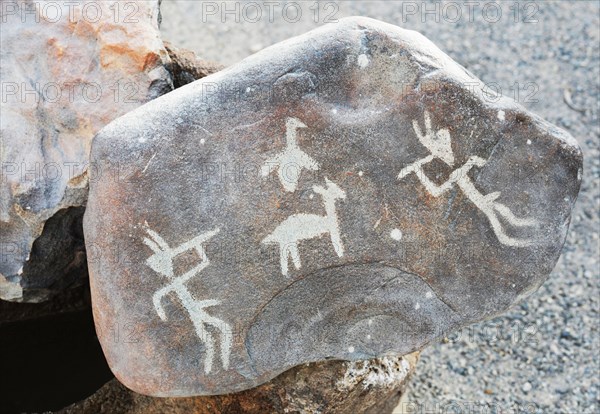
(396, 234)
(363, 61)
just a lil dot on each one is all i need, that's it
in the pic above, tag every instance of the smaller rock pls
(186, 67)
(332, 387)
(569, 335)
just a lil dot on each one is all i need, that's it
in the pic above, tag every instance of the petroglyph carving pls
(162, 262)
(290, 163)
(439, 145)
(307, 226)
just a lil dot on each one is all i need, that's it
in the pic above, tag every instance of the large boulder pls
(347, 194)
(67, 70)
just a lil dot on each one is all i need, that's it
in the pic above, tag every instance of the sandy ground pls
(542, 356)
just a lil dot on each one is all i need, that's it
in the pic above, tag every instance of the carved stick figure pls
(162, 262)
(439, 144)
(292, 160)
(307, 226)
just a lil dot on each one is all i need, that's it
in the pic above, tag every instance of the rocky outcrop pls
(67, 70)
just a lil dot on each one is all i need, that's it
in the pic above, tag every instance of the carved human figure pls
(439, 144)
(162, 262)
(307, 226)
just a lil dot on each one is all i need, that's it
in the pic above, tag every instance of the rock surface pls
(346, 194)
(67, 71)
(330, 387)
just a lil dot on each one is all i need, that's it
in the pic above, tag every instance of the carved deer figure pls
(162, 262)
(307, 226)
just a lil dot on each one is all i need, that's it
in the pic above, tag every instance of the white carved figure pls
(439, 144)
(307, 226)
(292, 160)
(162, 262)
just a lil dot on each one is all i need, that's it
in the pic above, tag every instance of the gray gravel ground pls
(542, 356)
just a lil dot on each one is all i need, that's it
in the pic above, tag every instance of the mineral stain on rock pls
(346, 194)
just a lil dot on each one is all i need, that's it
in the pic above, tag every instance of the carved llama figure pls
(307, 226)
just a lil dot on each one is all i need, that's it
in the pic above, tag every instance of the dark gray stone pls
(419, 205)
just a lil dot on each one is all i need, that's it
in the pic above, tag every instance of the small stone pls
(186, 67)
(568, 334)
(235, 274)
(527, 387)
